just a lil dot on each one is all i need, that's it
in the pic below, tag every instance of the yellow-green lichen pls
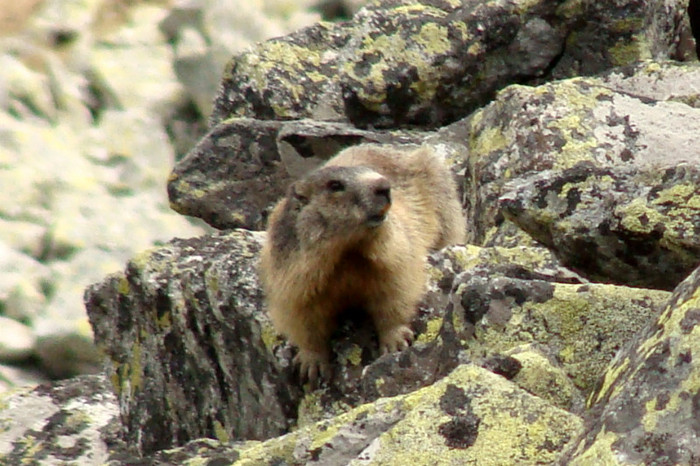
(165, 321)
(412, 427)
(379, 383)
(432, 330)
(309, 410)
(572, 322)
(680, 194)
(467, 256)
(352, 357)
(487, 141)
(610, 379)
(434, 38)
(628, 24)
(123, 287)
(116, 385)
(132, 369)
(539, 377)
(638, 217)
(502, 438)
(600, 453)
(572, 8)
(684, 343)
(270, 337)
(571, 127)
(410, 9)
(629, 51)
(220, 432)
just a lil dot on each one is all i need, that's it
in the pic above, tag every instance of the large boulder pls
(646, 408)
(431, 63)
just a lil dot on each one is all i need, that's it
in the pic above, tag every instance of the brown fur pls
(329, 247)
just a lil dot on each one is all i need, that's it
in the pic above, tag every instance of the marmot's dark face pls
(334, 202)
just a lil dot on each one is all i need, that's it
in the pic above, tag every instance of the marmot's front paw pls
(395, 339)
(313, 365)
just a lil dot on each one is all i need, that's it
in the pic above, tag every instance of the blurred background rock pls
(98, 98)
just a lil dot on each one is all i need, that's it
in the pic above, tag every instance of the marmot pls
(355, 233)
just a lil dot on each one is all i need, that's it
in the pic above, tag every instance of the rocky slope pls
(565, 332)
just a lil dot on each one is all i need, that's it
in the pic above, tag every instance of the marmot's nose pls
(383, 190)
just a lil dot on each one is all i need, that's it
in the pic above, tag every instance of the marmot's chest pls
(354, 278)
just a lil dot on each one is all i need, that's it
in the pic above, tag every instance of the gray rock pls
(74, 421)
(16, 340)
(12, 377)
(639, 227)
(399, 63)
(22, 282)
(189, 344)
(470, 416)
(665, 81)
(645, 409)
(582, 326)
(557, 126)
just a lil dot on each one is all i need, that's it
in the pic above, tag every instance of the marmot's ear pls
(297, 191)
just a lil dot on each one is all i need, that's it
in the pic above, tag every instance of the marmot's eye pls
(336, 186)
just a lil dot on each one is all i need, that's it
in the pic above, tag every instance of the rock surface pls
(74, 420)
(646, 409)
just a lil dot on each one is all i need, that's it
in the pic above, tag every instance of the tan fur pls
(328, 250)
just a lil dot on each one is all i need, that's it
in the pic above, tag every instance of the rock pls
(646, 407)
(68, 352)
(12, 377)
(557, 126)
(134, 67)
(664, 81)
(183, 327)
(16, 341)
(22, 282)
(398, 63)
(470, 416)
(512, 335)
(582, 326)
(639, 227)
(186, 288)
(545, 378)
(74, 421)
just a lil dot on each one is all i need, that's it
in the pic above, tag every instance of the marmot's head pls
(339, 202)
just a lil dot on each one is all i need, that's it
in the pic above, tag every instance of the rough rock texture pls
(184, 329)
(569, 186)
(556, 126)
(647, 407)
(430, 63)
(639, 227)
(74, 420)
(181, 317)
(472, 415)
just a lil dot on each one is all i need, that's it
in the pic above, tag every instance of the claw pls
(396, 339)
(313, 367)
